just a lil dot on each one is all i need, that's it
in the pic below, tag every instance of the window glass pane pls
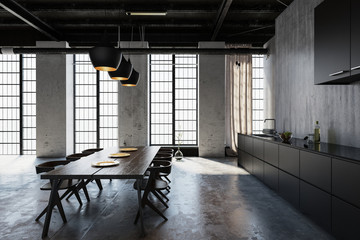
(89, 103)
(173, 97)
(257, 92)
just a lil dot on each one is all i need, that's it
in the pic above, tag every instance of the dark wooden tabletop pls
(131, 167)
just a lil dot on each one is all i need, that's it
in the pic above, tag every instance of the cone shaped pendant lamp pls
(105, 57)
(133, 79)
(123, 72)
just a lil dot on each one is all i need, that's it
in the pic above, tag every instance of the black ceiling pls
(83, 22)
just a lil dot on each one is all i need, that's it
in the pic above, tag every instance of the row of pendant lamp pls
(111, 60)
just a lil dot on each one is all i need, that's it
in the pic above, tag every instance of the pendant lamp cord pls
(119, 36)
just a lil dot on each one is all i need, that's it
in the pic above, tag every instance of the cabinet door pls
(316, 169)
(345, 220)
(289, 188)
(332, 41)
(248, 144)
(258, 168)
(271, 176)
(346, 181)
(355, 37)
(240, 158)
(271, 153)
(316, 204)
(258, 148)
(289, 160)
(248, 162)
(241, 142)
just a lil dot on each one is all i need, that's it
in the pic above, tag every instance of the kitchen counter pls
(350, 153)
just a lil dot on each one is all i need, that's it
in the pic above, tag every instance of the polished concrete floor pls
(209, 199)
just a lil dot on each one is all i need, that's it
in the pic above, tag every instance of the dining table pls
(130, 167)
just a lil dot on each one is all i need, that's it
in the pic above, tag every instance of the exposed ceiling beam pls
(139, 51)
(223, 10)
(23, 14)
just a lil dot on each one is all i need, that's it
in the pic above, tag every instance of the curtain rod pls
(139, 51)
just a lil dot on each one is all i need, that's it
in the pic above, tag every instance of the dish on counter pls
(119, 155)
(105, 163)
(128, 149)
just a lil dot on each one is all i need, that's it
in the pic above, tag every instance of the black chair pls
(91, 150)
(166, 150)
(165, 157)
(154, 185)
(70, 185)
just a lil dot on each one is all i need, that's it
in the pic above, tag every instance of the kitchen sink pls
(265, 136)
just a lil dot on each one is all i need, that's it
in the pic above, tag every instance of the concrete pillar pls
(54, 102)
(211, 102)
(269, 82)
(133, 102)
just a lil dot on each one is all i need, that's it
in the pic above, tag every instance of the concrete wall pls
(211, 102)
(299, 103)
(133, 103)
(54, 102)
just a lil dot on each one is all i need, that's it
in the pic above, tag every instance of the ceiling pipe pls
(139, 51)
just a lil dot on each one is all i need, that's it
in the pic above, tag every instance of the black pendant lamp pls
(105, 57)
(123, 72)
(133, 79)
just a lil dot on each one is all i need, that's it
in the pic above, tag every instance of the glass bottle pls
(317, 132)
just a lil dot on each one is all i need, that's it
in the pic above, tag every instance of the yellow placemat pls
(128, 149)
(105, 163)
(119, 155)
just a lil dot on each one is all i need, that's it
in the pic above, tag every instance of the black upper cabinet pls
(332, 42)
(355, 38)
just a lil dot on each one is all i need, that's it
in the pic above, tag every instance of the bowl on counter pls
(285, 137)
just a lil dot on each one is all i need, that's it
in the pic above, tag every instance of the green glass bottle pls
(317, 132)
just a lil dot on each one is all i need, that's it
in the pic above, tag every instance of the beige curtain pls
(238, 98)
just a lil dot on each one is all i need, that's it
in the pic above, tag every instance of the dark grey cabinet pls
(258, 149)
(258, 168)
(289, 188)
(332, 41)
(248, 162)
(241, 142)
(289, 160)
(271, 176)
(345, 179)
(316, 204)
(345, 220)
(248, 144)
(323, 187)
(241, 158)
(271, 153)
(316, 169)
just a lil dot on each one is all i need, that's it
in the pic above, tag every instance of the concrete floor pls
(209, 199)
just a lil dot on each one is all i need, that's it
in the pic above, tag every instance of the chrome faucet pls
(272, 131)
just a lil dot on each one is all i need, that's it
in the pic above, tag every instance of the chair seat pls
(67, 183)
(159, 184)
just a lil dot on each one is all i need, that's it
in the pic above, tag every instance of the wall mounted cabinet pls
(337, 34)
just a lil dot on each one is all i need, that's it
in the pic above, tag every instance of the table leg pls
(138, 186)
(52, 200)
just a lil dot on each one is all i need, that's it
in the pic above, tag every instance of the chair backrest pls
(48, 166)
(160, 166)
(166, 149)
(163, 156)
(92, 150)
(75, 156)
